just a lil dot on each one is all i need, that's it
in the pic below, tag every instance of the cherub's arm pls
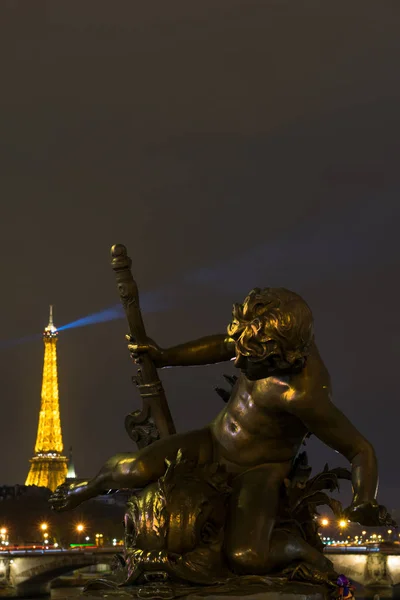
(332, 427)
(204, 351)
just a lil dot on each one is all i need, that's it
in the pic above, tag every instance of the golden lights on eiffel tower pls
(48, 465)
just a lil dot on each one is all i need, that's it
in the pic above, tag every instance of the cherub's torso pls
(256, 426)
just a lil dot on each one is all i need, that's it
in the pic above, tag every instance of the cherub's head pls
(272, 330)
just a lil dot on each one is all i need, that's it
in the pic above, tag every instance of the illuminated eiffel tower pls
(48, 465)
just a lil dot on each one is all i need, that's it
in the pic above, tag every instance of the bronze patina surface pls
(234, 498)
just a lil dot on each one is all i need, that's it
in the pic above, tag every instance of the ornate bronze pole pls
(154, 420)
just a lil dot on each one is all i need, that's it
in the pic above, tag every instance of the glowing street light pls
(324, 522)
(80, 528)
(342, 524)
(44, 526)
(4, 536)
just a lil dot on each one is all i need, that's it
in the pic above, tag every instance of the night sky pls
(228, 144)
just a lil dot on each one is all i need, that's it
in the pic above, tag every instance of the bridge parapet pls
(29, 573)
(376, 570)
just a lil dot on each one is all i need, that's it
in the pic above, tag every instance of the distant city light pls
(342, 523)
(324, 522)
(80, 527)
(43, 526)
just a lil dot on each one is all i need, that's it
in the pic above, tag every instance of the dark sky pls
(229, 144)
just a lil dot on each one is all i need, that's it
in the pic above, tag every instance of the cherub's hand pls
(370, 514)
(151, 348)
(59, 499)
(64, 498)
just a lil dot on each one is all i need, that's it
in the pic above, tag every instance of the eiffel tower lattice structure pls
(48, 466)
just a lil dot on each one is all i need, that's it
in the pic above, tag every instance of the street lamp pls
(324, 522)
(80, 528)
(4, 536)
(43, 528)
(342, 524)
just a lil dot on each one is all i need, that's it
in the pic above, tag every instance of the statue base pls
(249, 587)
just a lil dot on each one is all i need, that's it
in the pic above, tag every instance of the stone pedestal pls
(250, 588)
(302, 593)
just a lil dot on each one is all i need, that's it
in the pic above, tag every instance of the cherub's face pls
(254, 370)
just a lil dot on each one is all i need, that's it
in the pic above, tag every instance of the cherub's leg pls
(253, 508)
(135, 470)
(252, 545)
(287, 549)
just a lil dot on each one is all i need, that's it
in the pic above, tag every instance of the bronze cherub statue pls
(281, 395)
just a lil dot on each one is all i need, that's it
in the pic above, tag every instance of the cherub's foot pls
(308, 573)
(66, 496)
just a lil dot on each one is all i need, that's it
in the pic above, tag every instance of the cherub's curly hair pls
(272, 323)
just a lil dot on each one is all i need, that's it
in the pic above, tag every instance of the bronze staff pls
(154, 420)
